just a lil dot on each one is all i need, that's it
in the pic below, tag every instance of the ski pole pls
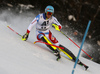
(13, 30)
(76, 45)
(81, 46)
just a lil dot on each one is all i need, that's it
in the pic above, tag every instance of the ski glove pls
(25, 36)
(57, 27)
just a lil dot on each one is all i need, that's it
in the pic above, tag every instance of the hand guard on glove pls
(25, 36)
(57, 27)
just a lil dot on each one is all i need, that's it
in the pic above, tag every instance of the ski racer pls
(43, 21)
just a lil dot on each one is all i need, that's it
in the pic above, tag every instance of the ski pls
(85, 66)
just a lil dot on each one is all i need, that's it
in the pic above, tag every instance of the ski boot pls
(82, 64)
(57, 53)
(86, 67)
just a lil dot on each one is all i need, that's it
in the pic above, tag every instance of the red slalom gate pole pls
(76, 45)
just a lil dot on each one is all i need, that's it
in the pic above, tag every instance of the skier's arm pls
(25, 36)
(31, 25)
(56, 24)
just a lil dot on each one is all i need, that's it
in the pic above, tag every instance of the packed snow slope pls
(24, 57)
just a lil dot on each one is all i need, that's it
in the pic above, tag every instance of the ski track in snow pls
(24, 57)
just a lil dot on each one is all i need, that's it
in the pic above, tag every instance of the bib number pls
(44, 24)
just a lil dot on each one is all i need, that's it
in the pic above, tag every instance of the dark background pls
(82, 10)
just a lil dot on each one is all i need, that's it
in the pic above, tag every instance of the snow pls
(24, 57)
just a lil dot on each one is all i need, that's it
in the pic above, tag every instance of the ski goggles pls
(49, 13)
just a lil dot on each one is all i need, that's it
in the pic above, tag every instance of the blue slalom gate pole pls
(81, 46)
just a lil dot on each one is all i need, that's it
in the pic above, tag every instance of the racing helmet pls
(49, 8)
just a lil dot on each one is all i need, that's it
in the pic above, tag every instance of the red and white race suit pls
(42, 27)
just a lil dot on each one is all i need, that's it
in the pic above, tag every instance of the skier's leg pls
(53, 39)
(65, 50)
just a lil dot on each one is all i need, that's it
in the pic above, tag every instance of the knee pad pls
(45, 39)
(39, 36)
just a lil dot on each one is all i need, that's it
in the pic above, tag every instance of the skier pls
(43, 22)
